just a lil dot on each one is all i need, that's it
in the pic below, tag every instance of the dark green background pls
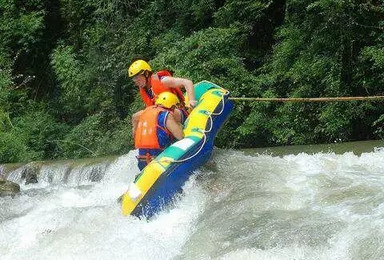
(65, 93)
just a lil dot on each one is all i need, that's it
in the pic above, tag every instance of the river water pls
(299, 202)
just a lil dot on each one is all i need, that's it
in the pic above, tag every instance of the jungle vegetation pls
(65, 93)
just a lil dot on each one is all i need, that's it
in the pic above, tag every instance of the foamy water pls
(85, 222)
(305, 206)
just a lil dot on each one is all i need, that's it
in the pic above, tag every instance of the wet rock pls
(97, 172)
(8, 188)
(30, 173)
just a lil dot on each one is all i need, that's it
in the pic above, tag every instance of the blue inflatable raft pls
(164, 177)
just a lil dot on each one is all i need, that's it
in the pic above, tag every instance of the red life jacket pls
(146, 131)
(158, 87)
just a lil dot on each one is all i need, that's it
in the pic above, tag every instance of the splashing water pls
(245, 206)
(84, 222)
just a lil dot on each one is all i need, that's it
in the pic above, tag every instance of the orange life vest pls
(158, 87)
(146, 131)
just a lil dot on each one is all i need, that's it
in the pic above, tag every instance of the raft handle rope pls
(195, 154)
(185, 159)
(200, 130)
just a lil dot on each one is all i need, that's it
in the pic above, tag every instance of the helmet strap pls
(147, 76)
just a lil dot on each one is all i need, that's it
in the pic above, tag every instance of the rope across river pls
(321, 99)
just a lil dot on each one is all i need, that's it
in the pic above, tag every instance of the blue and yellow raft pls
(164, 177)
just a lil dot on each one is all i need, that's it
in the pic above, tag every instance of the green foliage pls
(64, 91)
(29, 137)
(20, 26)
(40, 131)
(5, 121)
(72, 79)
(13, 149)
(379, 124)
(243, 12)
(318, 55)
(207, 53)
(212, 54)
(96, 136)
(33, 136)
(374, 54)
(5, 82)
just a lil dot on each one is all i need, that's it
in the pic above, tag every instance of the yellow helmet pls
(167, 99)
(138, 67)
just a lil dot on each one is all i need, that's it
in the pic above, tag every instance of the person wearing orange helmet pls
(157, 128)
(152, 84)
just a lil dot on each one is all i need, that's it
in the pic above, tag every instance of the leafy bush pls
(64, 90)
(13, 148)
(40, 131)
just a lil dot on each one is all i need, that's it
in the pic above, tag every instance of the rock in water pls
(30, 173)
(8, 188)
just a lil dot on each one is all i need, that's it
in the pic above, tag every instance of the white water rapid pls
(243, 206)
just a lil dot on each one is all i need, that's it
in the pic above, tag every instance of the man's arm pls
(174, 127)
(135, 121)
(172, 82)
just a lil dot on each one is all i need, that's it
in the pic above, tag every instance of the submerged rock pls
(30, 173)
(8, 188)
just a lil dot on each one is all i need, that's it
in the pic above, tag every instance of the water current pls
(305, 202)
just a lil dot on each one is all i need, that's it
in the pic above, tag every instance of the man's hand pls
(192, 103)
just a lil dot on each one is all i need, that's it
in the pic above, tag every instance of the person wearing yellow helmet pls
(167, 100)
(157, 128)
(152, 84)
(138, 67)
